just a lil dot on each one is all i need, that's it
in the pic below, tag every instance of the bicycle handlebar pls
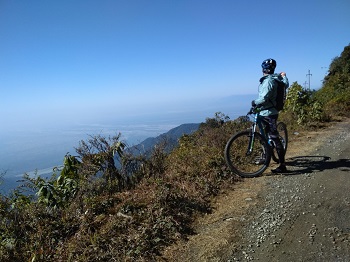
(254, 110)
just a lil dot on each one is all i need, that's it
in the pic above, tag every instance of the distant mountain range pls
(170, 139)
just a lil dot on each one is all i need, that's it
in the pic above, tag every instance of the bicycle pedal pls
(260, 162)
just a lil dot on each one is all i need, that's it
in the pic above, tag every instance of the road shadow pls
(308, 164)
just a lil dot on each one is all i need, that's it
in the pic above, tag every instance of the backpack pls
(281, 93)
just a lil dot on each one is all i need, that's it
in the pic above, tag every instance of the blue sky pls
(83, 60)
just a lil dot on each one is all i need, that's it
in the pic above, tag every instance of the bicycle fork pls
(251, 140)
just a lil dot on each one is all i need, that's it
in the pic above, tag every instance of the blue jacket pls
(268, 93)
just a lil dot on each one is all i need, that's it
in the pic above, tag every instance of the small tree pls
(98, 157)
(58, 190)
(217, 121)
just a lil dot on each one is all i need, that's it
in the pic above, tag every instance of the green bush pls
(302, 108)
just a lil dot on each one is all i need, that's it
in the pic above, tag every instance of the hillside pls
(106, 204)
(170, 138)
(300, 216)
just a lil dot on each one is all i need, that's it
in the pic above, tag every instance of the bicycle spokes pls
(251, 162)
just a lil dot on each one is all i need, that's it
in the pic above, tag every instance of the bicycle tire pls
(283, 135)
(244, 164)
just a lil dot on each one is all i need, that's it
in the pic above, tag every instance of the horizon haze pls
(45, 147)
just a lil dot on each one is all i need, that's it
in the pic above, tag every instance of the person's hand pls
(283, 74)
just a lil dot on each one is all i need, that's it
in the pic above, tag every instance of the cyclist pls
(266, 101)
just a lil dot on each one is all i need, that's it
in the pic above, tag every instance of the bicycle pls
(248, 153)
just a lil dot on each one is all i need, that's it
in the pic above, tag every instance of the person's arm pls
(285, 79)
(265, 91)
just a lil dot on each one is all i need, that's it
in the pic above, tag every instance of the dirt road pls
(300, 216)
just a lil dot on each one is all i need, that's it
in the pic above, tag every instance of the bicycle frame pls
(257, 122)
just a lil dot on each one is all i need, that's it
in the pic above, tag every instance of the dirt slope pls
(300, 216)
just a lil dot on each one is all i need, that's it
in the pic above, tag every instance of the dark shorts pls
(270, 123)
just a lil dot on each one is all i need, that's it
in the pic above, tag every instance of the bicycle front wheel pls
(247, 154)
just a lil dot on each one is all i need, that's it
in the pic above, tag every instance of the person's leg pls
(271, 129)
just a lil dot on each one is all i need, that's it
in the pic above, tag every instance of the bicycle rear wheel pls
(283, 135)
(282, 130)
(244, 162)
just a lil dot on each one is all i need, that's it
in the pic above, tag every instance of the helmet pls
(269, 66)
